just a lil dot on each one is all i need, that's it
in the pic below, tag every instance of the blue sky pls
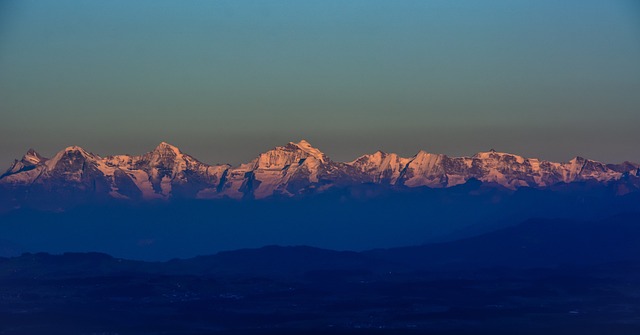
(224, 80)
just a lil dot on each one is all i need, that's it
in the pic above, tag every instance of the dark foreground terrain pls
(541, 277)
(592, 300)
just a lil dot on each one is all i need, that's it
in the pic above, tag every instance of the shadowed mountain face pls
(75, 176)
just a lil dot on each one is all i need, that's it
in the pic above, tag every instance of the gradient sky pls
(225, 80)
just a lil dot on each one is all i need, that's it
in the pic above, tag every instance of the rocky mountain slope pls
(290, 170)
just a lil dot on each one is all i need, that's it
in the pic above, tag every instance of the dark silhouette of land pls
(539, 277)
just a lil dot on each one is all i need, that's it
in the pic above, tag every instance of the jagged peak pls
(366, 158)
(582, 160)
(630, 163)
(305, 146)
(32, 157)
(32, 152)
(164, 147)
(422, 157)
(303, 143)
(76, 149)
(378, 158)
(425, 153)
(492, 152)
(577, 159)
(377, 153)
(51, 163)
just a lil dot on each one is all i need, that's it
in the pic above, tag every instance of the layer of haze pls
(225, 80)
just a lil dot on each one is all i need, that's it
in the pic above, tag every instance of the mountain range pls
(285, 171)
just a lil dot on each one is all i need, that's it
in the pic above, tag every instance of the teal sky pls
(225, 80)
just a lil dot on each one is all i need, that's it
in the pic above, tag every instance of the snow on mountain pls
(583, 169)
(296, 168)
(381, 167)
(272, 170)
(166, 171)
(71, 164)
(508, 170)
(630, 168)
(425, 169)
(32, 157)
(25, 170)
(287, 170)
(311, 151)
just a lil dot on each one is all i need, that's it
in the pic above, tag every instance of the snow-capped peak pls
(164, 146)
(490, 153)
(309, 149)
(577, 159)
(32, 157)
(292, 169)
(28, 162)
(73, 150)
(374, 158)
(423, 153)
(493, 154)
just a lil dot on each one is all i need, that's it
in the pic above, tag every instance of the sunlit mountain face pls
(292, 170)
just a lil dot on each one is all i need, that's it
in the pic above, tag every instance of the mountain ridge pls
(296, 168)
(531, 243)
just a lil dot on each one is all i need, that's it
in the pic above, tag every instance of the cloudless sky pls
(225, 80)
